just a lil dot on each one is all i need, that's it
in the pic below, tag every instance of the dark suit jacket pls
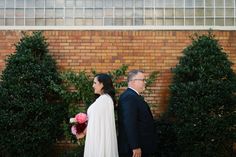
(136, 125)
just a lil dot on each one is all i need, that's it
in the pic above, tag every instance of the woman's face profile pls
(97, 86)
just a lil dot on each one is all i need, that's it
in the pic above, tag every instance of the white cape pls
(101, 139)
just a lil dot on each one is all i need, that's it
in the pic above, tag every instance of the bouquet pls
(79, 123)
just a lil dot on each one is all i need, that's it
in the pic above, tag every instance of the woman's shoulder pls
(104, 97)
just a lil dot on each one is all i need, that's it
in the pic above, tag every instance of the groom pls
(136, 135)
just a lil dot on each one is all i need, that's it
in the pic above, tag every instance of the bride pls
(101, 139)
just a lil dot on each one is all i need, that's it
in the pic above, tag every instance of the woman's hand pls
(80, 135)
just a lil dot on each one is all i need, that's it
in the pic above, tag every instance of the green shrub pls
(165, 137)
(30, 111)
(203, 100)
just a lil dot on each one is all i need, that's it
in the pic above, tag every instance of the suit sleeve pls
(129, 110)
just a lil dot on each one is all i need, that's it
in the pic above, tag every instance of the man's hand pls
(137, 152)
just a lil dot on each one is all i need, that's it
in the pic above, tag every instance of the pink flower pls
(73, 130)
(81, 118)
(79, 123)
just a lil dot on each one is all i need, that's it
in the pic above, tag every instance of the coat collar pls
(131, 89)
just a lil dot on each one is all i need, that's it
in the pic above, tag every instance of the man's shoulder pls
(122, 95)
(127, 94)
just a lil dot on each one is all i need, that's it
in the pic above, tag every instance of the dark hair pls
(133, 73)
(108, 87)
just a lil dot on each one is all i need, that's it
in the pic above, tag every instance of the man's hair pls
(133, 73)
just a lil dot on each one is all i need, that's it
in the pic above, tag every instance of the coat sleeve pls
(129, 113)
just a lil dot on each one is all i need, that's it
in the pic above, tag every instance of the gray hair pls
(133, 73)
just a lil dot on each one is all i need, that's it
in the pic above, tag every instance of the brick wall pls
(108, 50)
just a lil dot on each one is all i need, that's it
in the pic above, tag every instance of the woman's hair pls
(108, 87)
